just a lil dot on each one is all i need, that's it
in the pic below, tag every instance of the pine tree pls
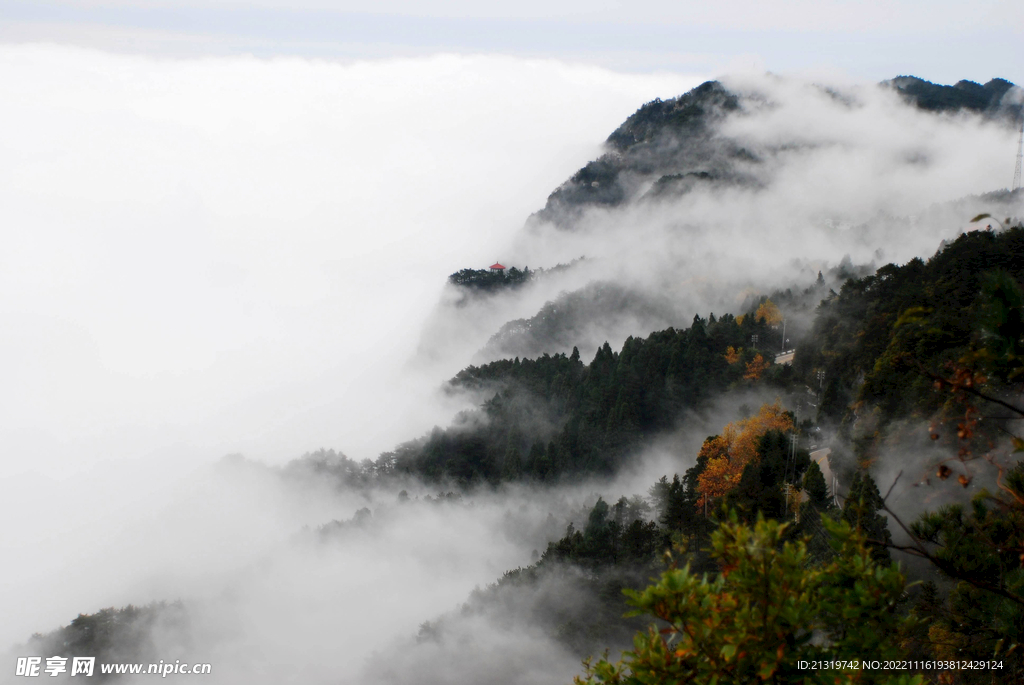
(816, 488)
(512, 466)
(599, 536)
(678, 515)
(537, 463)
(860, 510)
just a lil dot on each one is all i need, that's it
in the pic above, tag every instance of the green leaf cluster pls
(764, 613)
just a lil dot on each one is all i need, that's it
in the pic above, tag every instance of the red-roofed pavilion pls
(497, 268)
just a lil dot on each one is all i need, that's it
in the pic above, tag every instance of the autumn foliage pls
(729, 453)
(755, 368)
(769, 313)
(732, 355)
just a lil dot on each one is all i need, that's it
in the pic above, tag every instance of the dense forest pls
(490, 280)
(876, 344)
(881, 342)
(763, 544)
(938, 342)
(963, 95)
(556, 417)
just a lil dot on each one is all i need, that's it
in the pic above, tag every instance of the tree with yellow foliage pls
(732, 355)
(769, 313)
(729, 453)
(716, 478)
(756, 368)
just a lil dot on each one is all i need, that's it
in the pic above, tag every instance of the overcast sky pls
(940, 41)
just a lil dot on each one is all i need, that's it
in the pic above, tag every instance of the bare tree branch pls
(924, 371)
(895, 480)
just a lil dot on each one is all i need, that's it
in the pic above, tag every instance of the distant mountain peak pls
(963, 95)
(689, 112)
(671, 147)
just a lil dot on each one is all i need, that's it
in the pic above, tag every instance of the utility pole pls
(783, 335)
(1020, 152)
(790, 459)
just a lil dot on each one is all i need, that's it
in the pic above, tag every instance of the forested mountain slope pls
(931, 342)
(695, 199)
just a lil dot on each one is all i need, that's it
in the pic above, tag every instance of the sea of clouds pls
(232, 255)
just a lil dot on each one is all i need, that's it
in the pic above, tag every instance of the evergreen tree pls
(537, 463)
(678, 513)
(860, 510)
(659, 496)
(816, 488)
(760, 490)
(599, 536)
(512, 466)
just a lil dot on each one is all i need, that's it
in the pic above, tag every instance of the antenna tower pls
(1020, 150)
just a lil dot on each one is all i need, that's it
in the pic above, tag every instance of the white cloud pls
(231, 254)
(235, 241)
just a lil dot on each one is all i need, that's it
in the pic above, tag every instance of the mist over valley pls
(402, 371)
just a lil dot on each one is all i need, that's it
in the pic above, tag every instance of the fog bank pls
(234, 255)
